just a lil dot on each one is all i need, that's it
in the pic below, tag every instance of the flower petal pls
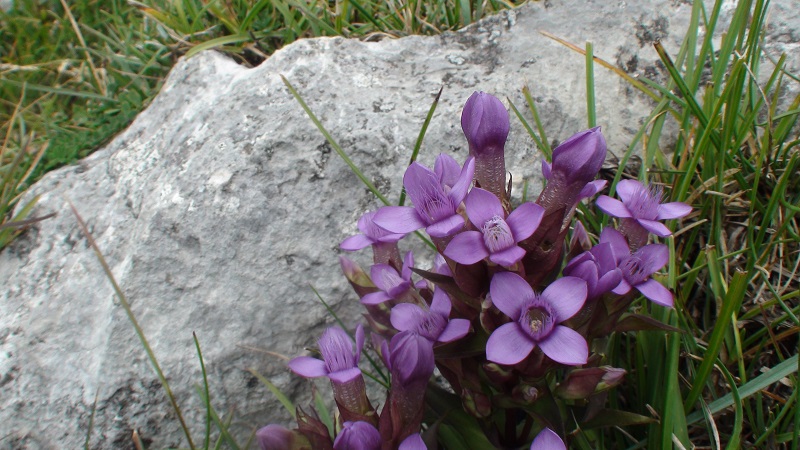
(626, 189)
(653, 257)
(510, 292)
(592, 188)
(482, 206)
(673, 210)
(359, 341)
(405, 316)
(612, 207)
(308, 367)
(399, 219)
(657, 228)
(446, 169)
(566, 296)
(344, 376)
(507, 257)
(524, 220)
(622, 288)
(657, 293)
(617, 241)
(467, 248)
(607, 282)
(446, 227)
(508, 345)
(566, 346)
(413, 442)
(455, 329)
(356, 242)
(548, 440)
(586, 271)
(547, 169)
(375, 298)
(459, 190)
(440, 304)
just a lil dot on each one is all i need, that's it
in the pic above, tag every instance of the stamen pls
(497, 235)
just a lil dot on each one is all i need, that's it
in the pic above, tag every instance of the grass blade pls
(420, 137)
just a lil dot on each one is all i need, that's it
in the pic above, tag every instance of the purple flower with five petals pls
(643, 204)
(392, 285)
(339, 359)
(598, 268)
(637, 268)
(535, 320)
(435, 203)
(498, 235)
(547, 439)
(431, 323)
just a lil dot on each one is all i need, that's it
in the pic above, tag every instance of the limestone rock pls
(222, 204)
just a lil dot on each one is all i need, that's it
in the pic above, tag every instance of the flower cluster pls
(508, 313)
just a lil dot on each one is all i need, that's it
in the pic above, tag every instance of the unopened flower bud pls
(485, 124)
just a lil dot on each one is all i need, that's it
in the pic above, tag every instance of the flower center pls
(644, 202)
(497, 235)
(633, 270)
(431, 326)
(337, 350)
(537, 321)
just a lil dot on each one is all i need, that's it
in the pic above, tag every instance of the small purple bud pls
(579, 158)
(486, 125)
(581, 383)
(411, 358)
(276, 437)
(547, 439)
(358, 436)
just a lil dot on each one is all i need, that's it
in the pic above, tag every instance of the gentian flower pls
(637, 268)
(384, 243)
(498, 236)
(431, 323)
(392, 285)
(536, 319)
(435, 205)
(276, 437)
(643, 205)
(578, 159)
(485, 123)
(547, 439)
(340, 364)
(358, 436)
(598, 268)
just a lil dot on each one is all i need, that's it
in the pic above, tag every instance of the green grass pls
(726, 380)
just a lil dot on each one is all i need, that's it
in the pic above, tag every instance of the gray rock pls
(221, 205)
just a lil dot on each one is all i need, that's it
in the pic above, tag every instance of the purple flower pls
(485, 122)
(275, 437)
(598, 268)
(358, 436)
(578, 159)
(372, 234)
(547, 439)
(435, 204)
(434, 323)
(409, 357)
(637, 268)
(392, 285)
(643, 204)
(339, 358)
(498, 236)
(413, 442)
(536, 319)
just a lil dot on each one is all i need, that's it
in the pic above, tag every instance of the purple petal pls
(446, 169)
(653, 257)
(384, 276)
(467, 248)
(524, 220)
(440, 304)
(566, 296)
(574, 262)
(359, 341)
(657, 228)
(591, 189)
(482, 206)
(375, 298)
(413, 442)
(308, 367)
(607, 282)
(507, 257)
(604, 256)
(508, 345)
(356, 242)
(548, 440)
(272, 437)
(657, 293)
(547, 169)
(673, 210)
(459, 190)
(344, 376)
(617, 241)
(399, 219)
(612, 207)
(586, 271)
(455, 329)
(622, 288)
(509, 293)
(408, 263)
(405, 316)
(627, 188)
(446, 227)
(566, 346)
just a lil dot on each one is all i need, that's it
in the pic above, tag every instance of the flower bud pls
(486, 125)
(579, 158)
(358, 436)
(582, 383)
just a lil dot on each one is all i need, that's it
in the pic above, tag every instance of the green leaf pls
(616, 418)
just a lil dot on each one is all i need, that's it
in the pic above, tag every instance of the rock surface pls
(222, 204)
